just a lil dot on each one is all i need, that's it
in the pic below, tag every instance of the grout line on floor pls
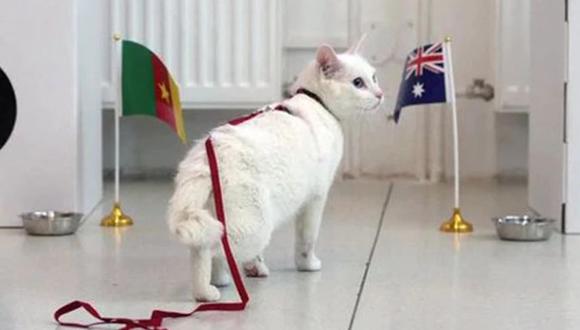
(92, 211)
(371, 254)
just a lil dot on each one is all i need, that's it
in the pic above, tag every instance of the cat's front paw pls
(208, 293)
(307, 263)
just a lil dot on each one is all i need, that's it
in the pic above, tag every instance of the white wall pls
(420, 146)
(149, 147)
(90, 26)
(416, 148)
(471, 23)
(386, 149)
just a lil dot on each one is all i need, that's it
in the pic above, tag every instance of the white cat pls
(274, 168)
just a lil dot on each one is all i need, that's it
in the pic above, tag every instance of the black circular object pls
(7, 108)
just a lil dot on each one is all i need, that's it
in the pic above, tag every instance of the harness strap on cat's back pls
(155, 321)
(243, 119)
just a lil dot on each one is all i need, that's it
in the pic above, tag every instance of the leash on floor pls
(157, 316)
(155, 321)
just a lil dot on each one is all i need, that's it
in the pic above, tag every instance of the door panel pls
(546, 156)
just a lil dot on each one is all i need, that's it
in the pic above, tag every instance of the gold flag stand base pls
(456, 224)
(116, 218)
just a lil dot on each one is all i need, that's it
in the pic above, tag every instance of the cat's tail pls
(187, 218)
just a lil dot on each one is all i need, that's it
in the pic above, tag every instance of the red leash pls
(155, 321)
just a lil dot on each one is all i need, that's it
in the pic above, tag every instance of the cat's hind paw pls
(307, 263)
(256, 268)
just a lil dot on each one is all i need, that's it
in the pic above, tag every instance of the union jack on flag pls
(424, 78)
(430, 59)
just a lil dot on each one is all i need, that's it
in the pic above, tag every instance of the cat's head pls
(346, 82)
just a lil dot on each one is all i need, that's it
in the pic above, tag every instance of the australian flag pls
(424, 78)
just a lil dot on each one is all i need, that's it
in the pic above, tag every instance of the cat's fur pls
(274, 168)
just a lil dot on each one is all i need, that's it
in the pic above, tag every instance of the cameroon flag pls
(147, 88)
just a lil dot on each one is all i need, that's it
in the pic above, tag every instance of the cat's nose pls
(379, 94)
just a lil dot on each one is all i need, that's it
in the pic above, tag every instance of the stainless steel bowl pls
(523, 228)
(51, 222)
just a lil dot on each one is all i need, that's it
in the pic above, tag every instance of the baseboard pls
(140, 174)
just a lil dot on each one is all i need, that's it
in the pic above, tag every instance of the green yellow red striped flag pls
(147, 87)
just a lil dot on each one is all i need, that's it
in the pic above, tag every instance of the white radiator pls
(223, 53)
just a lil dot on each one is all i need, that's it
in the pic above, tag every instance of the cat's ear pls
(354, 49)
(327, 60)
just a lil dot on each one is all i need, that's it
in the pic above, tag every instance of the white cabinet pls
(53, 159)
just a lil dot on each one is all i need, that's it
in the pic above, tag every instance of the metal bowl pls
(51, 223)
(523, 228)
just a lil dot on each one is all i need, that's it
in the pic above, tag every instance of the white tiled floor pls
(418, 277)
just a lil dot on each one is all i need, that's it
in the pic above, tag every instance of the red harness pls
(155, 321)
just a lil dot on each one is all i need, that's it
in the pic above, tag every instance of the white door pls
(546, 154)
(572, 193)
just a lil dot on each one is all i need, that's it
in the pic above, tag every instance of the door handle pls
(478, 89)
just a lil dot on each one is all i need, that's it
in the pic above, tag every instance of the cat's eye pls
(374, 78)
(358, 82)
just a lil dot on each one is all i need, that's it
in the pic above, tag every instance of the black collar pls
(317, 99)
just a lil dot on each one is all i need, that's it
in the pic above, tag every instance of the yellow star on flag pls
(164, 92)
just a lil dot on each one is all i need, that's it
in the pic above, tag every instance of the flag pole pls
(456, 224)
(116, 39)
(117, 218)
